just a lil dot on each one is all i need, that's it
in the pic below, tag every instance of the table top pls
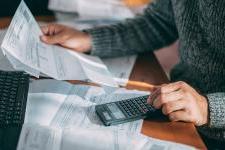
(146, 73)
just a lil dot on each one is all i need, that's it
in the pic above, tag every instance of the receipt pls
(22, 43)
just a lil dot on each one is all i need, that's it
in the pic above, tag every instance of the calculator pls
(126, 110)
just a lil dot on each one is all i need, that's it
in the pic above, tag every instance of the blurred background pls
(38, 7)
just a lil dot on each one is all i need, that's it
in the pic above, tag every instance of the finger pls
(53, 39)
(51, 29)
(174, 106)
(162, 99)
(155, 93)
(180, 116)
(153, 96)
(54, 29)
(172, 87)
(44, 29)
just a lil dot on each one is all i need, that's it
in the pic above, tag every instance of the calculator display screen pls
(117, 113)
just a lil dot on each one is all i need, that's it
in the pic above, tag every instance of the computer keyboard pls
(13, 97)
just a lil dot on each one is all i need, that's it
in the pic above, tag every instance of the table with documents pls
(146, 73)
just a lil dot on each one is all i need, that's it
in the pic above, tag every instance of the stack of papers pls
(63, 105)
(25, 51)
(36, 137)
(61, 116)
(97, 9)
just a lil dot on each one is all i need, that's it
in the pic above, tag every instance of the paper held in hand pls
(23, 48)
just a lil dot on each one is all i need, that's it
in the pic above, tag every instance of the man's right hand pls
(66, 37)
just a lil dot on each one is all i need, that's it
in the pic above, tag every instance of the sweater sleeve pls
(154, 29)
(216, 103)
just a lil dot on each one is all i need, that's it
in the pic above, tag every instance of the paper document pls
(35, 137)
(89, 9)
(63, 105)
(2, 35)
(4, 62)
(121, 68)
(22, 42)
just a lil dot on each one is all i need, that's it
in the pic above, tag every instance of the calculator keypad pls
(136, 106)
(126, 110)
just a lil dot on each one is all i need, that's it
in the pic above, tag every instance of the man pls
(197, 89)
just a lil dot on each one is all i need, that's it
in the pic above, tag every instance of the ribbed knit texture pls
(200, 27)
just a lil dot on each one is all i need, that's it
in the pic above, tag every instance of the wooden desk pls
(146, 73)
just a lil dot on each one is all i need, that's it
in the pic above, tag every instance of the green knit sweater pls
(200, 27)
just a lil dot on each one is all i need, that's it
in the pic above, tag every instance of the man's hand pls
(66, 37)
(181, 103)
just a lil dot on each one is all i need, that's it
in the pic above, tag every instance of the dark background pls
(38, 7)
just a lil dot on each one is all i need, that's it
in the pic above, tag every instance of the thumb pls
(52, 39)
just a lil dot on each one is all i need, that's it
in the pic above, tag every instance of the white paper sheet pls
(9, 63)
(22, 41)
(35, 137)
(121, 68)
(4, 62)
(17, 65)
(67, 105)
(89, 9)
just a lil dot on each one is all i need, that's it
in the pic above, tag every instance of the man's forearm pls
(152, 30)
